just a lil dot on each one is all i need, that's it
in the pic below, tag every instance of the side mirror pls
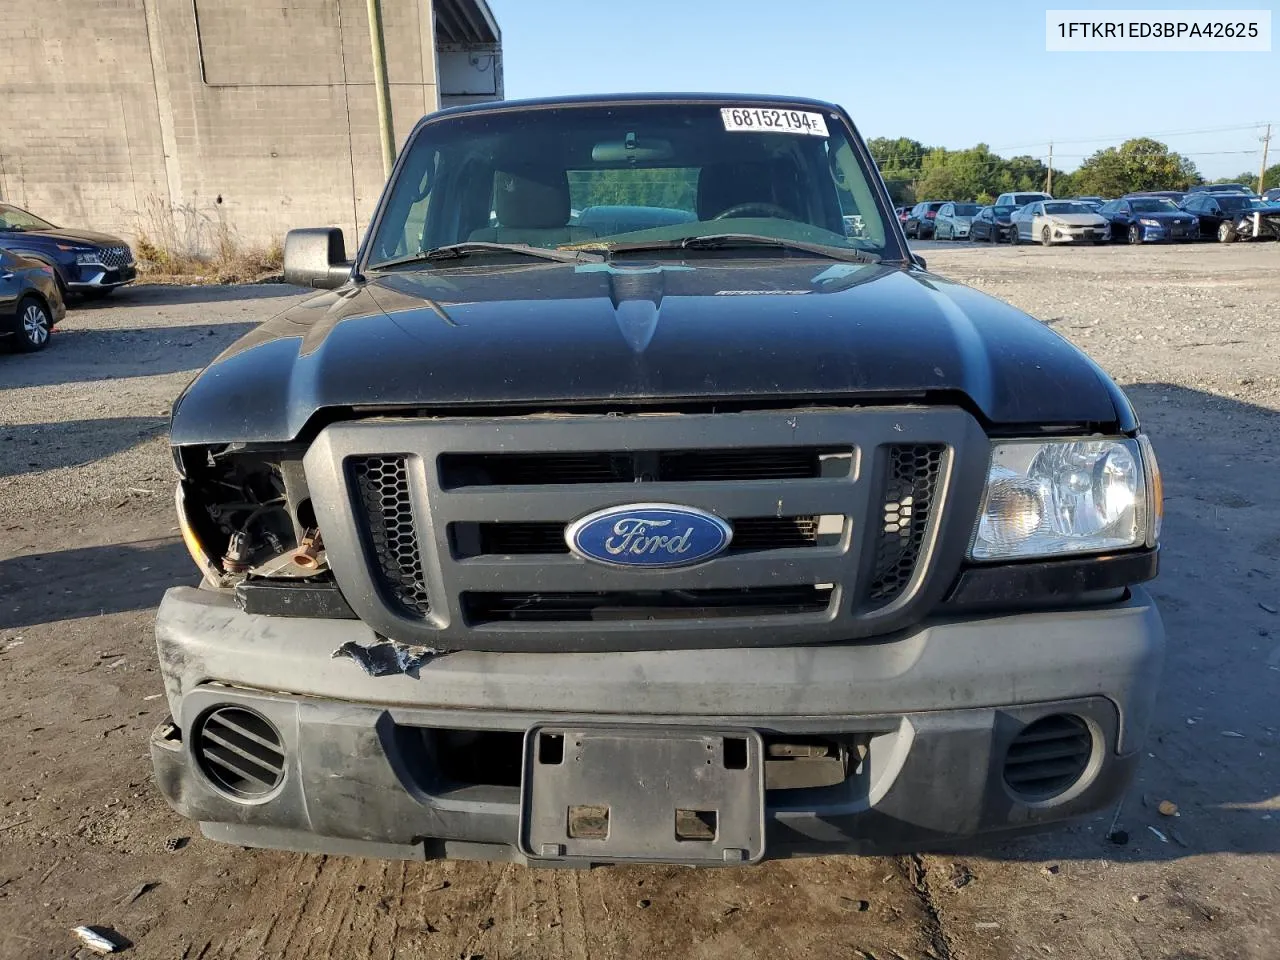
(919, 261)
(316, 257)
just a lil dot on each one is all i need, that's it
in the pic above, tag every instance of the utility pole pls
(382, 87)
(1262, 171)
(1049, 188)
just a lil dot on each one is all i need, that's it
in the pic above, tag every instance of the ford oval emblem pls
(650, 535)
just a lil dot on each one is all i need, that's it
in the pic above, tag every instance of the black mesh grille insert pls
(239, 751)
(382, 491)
(483, 608)
(910, 486)
(749, 534)
(536, 469)
(1048, 757)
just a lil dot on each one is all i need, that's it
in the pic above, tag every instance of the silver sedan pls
(1059, 221)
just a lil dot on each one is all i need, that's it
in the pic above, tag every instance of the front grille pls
(1048, 757)
(460, 524)
(240, 752)
(712, 465)
(484, 607)
(382, 492)
(749, 534)
(115, 257)
(910, 488)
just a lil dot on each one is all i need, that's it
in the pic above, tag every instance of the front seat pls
(532, 206)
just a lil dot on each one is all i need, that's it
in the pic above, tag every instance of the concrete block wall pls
(257, 114)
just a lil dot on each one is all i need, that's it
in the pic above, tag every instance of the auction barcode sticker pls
(1162, 31)
(771, 120)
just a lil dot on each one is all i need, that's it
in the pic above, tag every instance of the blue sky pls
(948, 73)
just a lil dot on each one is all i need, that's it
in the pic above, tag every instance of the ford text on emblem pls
(652, 535)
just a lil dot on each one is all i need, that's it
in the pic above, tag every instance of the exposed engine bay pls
(247, 514)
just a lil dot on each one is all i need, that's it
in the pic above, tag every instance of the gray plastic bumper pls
(938, 705)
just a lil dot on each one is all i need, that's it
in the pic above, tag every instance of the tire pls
(1015, 237)
(1227, 232)
(1135, 235)
(34, 325)
(1046, 236)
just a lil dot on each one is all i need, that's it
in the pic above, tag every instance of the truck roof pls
(597, 98)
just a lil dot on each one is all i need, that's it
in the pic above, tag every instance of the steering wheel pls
(756, 208)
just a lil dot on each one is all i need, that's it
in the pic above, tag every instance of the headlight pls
(88, 259)
(1045, 498)
(1149, 223)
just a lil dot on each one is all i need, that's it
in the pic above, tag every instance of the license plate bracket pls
(642, 794)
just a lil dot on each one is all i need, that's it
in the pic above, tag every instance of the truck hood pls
(546, 334)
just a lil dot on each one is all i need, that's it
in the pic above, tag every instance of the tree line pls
(913, 171)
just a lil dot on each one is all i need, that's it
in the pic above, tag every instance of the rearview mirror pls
(316, 257)
(632, 148)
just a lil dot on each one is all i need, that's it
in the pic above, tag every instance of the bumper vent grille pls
(382, 489)
(671, 466)
(910, 488)
(749, 534)
(644, 604)
(240, 752)
(1047, 757)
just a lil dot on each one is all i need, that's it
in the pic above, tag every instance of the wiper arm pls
(468, 248)
(724, 241)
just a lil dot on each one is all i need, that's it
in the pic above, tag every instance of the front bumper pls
(83, 277)
(935, 707)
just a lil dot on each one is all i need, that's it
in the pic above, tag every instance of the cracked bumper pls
(936, 708)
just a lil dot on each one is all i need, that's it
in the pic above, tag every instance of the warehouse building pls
(194, 120)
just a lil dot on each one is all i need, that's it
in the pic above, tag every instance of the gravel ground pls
(87, 547)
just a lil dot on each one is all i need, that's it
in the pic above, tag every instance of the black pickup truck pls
(728, 533)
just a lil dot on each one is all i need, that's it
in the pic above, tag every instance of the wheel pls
(1227, 232)
(1135, 235)
(34, 325)
(1015, 237)
(1046, 236)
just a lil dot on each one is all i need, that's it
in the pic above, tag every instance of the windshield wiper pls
(726, 241)
(469, 248)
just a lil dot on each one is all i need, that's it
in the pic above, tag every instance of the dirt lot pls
(87, 546)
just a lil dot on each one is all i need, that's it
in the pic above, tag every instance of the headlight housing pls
(1149, 223)
(1047, 498)
(88, 259)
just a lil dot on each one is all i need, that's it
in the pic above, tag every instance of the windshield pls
(1022, 199)
(12, 218)
(967, 209)
(1236, 203)
(592, 177)
(1066, 206)
(1154, 205)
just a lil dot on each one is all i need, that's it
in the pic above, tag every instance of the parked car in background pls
(903, 213)
(84, 262)
(1222, 215)
(992, 224)
(1095, 202)
(953, 219)
(1058, 221)
(1177, 196)
(1223, 188)
(920, 221)
(1272, 195)
(30, 303)
(1020, 199)
(1149, 219)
